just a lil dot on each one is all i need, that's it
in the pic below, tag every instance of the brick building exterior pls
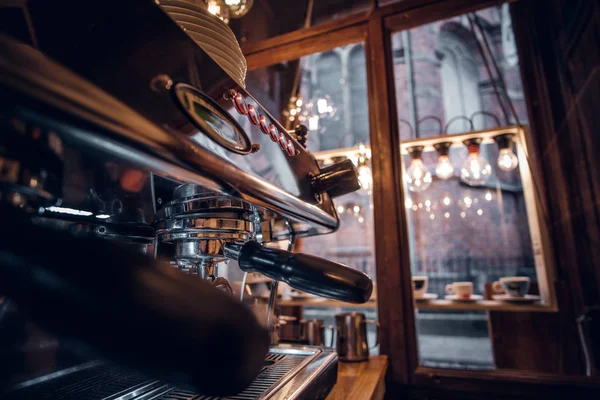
(482, 232)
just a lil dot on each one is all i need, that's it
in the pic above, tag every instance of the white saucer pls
(529, 298)
(427, 297)
(473, 298)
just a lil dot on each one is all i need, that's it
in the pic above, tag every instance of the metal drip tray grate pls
(92, 383)
(96, 381)
(277, 366)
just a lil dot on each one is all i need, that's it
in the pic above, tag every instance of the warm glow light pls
(293, 111)
(468, 201)
(361, 220)
(446, 215)
(480, 212)
(239, 8)
(427, 203)
(299, 103)
(507, 160)
(462, 214)
(215, 7)
(444, 168)
(365, 177)
(313, 122)
(431, 216)
(102, 216)
(476, 170)
(488, 196)
(417, 176)
(408, 203)
(356, 209)
(322, 106)
(446, 201)
(340, 209)
(420, 205)
(414, 207)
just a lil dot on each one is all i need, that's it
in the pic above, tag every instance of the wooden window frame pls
(395, 303)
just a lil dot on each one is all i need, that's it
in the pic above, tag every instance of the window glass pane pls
(470, 217)
(327, 92)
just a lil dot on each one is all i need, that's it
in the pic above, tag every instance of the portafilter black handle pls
(122, 305)
(304, 272)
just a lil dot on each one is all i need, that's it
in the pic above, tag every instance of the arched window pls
(460, 77)
(358, 95)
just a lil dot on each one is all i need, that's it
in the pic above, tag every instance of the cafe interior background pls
(373, 81)
(474, 128)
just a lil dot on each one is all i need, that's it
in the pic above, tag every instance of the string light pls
(219, 9)
(507, 160)
(418, 177)
(476, 170)
(444, 168)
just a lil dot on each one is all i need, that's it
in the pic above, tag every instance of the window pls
(465, 228)
(328, 93)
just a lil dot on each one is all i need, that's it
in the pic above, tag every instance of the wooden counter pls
(360, 380)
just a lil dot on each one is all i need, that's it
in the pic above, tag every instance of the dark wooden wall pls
(560, 43)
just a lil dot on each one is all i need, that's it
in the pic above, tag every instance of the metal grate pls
(277, 366)
(94, 383)
(102, 382)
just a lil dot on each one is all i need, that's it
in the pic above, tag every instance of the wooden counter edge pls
(361, 380)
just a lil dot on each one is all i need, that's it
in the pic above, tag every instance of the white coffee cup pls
(462, 290)
(419, 286)
(514, 286)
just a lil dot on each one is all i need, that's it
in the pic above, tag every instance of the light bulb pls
(322, 105)
(313, 122)
(507, 160)
(365, 177)
(239, 8)
(476, 170)
(418, 177)
(218, 8)
(444, 168)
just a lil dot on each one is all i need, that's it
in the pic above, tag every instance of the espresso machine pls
(133, 165)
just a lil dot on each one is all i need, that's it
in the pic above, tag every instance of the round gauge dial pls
(211, 119)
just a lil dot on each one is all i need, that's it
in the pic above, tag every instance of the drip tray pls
(290, 372)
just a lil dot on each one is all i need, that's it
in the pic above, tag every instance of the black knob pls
(301, 133)
(337, 180)
(304, 272)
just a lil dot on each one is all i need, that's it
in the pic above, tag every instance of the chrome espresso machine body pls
(132, 159)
